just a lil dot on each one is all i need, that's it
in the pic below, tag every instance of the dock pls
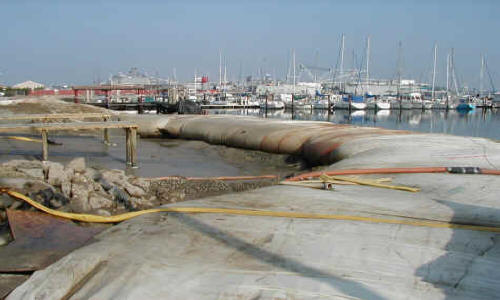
(44, 128)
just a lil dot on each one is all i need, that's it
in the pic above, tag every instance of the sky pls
(78, 42)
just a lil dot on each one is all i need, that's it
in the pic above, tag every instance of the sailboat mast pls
(447, 74)
(434, 71)
(293, 58)
(399, 67)
(453, 75)
(195, 86)
(342, 45)
(342, 56)
(220, 68)
(481, 76)
(367, 62)
(225, 73)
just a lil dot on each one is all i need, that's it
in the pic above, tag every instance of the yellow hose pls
(22, 138)
(373, 183)
(245, 212)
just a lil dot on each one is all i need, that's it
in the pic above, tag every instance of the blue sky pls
(77, 41)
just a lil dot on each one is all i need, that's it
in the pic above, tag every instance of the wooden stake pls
(128, 145)
(45, 146)
(133, 147)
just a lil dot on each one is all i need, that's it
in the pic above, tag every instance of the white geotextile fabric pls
(216, 256)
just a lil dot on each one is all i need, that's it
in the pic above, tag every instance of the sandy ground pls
(45, 104)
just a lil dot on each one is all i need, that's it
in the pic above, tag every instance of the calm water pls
(479, 123)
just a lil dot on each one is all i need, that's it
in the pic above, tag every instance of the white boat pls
(416, 104)
(321, 104)
(401, 104)
(378, 104)
(218, 102)
(356, 103)
(298, 104)
(253, 103)
(275, 104)
(441, 104)
(428, 104)
(495, 101)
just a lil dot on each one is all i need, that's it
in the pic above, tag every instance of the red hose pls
(384, 171)
(490, 172)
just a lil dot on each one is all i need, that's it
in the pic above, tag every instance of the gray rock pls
(15, 183)
(55, 173)
(114, 176)
(98, 200)
(105, 184)
(16, 205)
(79, 198)
(66, 188)
(36, 185)
(44, 196)
(103, 212)
(34, 173)
(140, 203)
(77, 164)
(5, 201)
(134, 190)
(24, 164)
(82, 178)
(140, 182)
(58, 201)
(4, 239)
(119, 195)
(97, 187)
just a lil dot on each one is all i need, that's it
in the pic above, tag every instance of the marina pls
(250, 150)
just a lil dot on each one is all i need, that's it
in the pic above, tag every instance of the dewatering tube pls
(246, 212)
(412, 170)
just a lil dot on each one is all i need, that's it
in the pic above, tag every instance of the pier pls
(44, 128)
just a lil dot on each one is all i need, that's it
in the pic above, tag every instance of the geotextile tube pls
(323, 143)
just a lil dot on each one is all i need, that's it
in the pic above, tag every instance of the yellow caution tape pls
(373, 183)
(245, 212)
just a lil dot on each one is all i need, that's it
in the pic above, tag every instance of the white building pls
(28, 85)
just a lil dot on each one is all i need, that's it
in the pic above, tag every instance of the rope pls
(245, 212)
(373, 183)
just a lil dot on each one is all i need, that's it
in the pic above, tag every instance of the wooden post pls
(329, 106)
(133, 147)
(128, 145)
(106, 133)
(45, 145)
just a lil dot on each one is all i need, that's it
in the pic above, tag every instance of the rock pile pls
(74, 187)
